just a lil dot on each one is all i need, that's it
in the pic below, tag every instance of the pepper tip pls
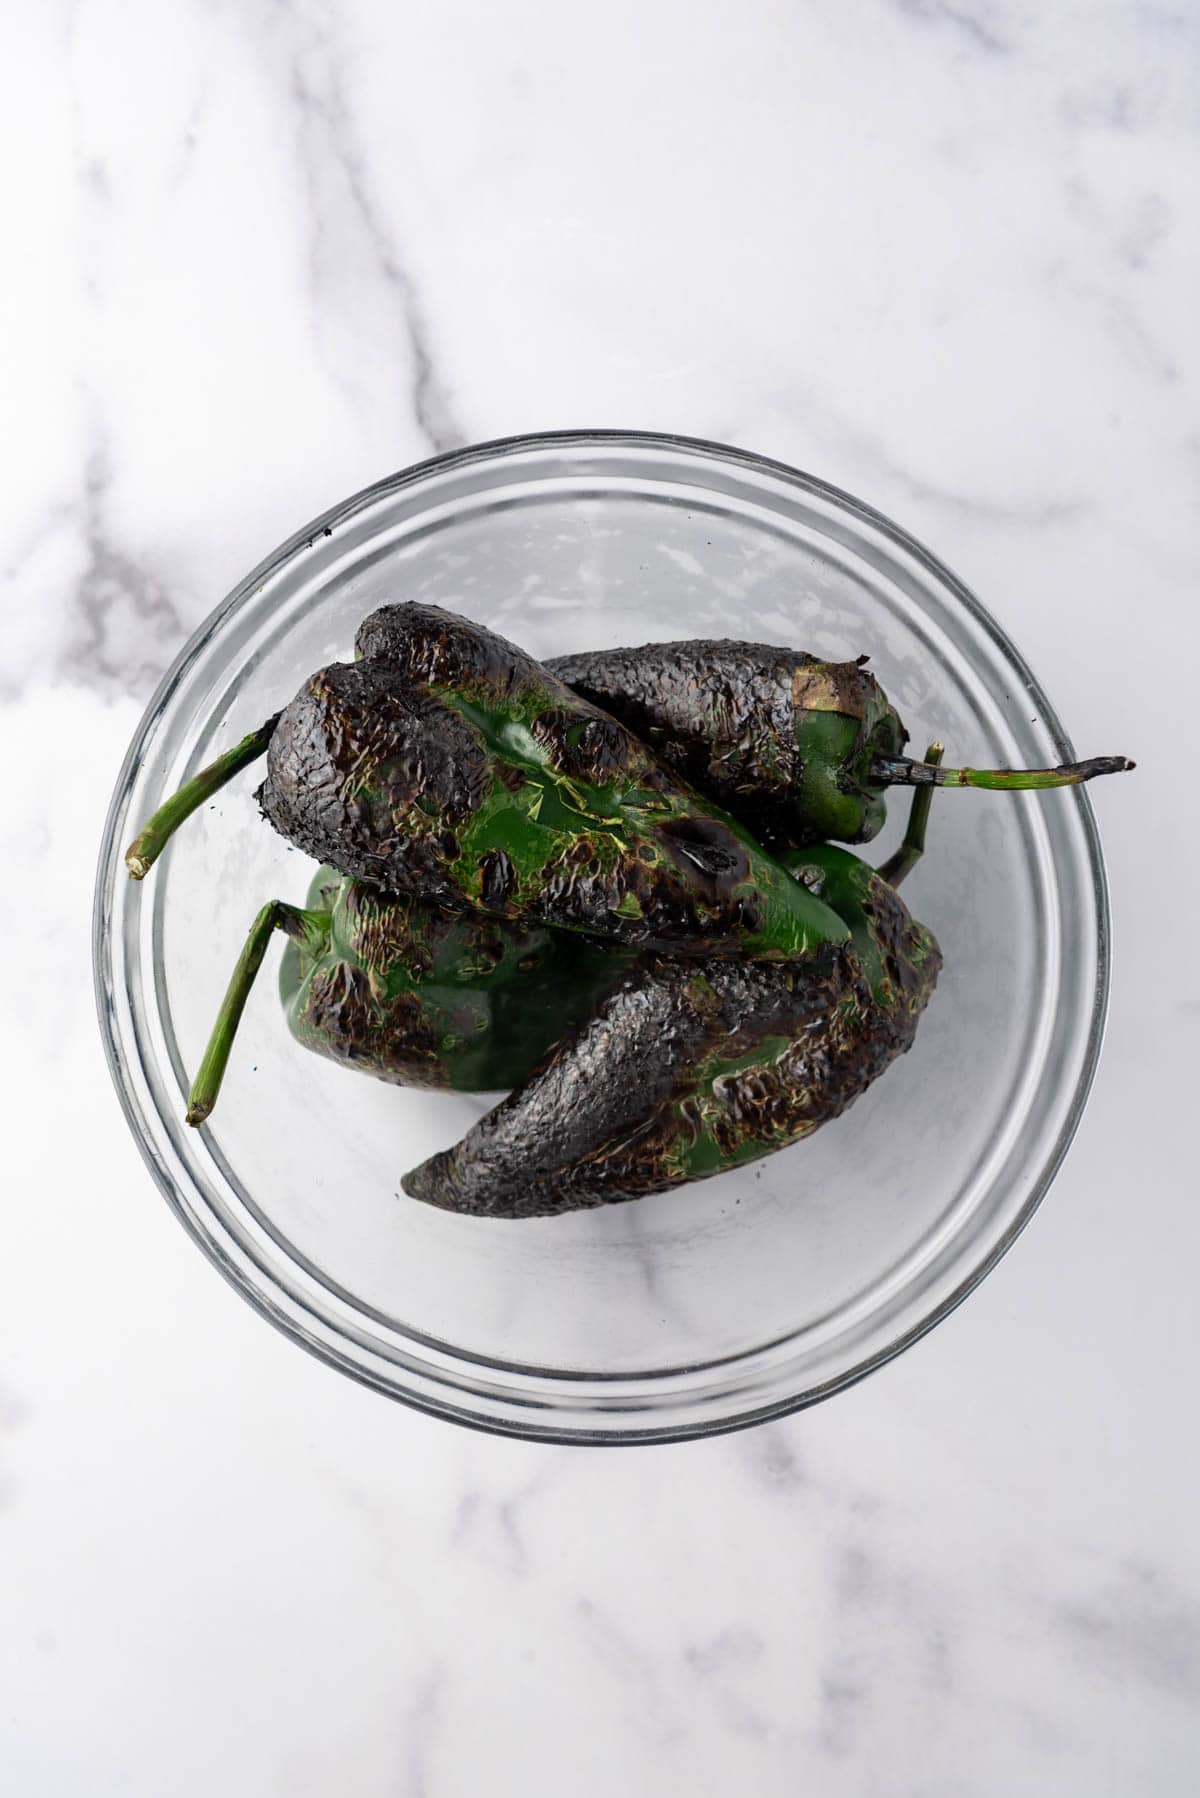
(138, 867)
(196, 1114)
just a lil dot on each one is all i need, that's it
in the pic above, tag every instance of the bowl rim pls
(538, 1429)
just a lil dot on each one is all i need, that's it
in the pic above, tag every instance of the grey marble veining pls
(946, 256)
(346, 227)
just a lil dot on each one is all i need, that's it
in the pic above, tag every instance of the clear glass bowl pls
(731, 1300)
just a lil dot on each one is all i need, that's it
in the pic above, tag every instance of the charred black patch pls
(756, 1105)
(585, 747)
(707, 845)
(497, 877)
(723, 715)
(368, 773)
(435, 648)
(343, 1020)
(575, 886)
(748, 915)
(910, 959)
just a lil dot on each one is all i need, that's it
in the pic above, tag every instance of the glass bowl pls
(726, 1302)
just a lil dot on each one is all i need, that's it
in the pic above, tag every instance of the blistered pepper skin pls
(689, 1069)
(440, 724)
(422, 997)
(510, 863)
(780, 738)
(800, 750)
(445, 764)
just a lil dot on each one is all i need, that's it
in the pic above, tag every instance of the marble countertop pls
(257, 255)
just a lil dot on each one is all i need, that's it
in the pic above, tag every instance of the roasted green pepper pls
(413, 994)
(445, 764)
(510, 864)
(800, 750)
(689, 1069)
(725, 1061)
(423, 997)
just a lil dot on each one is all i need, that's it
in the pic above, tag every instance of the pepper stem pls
(899, 771)
(905, 859)
(310, 927)
(155, 834)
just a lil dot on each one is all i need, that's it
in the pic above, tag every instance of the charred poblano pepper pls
(688, 1069)
(801, 750)
(522, 893)
(413, 994)
(423, 997)
(446, 765)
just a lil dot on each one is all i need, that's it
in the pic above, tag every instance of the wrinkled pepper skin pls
(421, 997)
(688, 1069)
(783, 741)
(899, 958)
(447, 765)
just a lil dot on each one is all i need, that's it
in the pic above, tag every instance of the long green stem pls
(912, 848)
(309, 927)
(154, 835)
(899, 771)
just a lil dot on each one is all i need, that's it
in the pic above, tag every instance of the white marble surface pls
(255, 255)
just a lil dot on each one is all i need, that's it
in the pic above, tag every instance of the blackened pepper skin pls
(781, 739)
(689, 1069)
(446, 764)
(421, 996)
(801, 751)
(798, 751)
(371, 775)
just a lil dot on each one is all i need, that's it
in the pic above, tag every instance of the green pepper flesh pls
(421, 997)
